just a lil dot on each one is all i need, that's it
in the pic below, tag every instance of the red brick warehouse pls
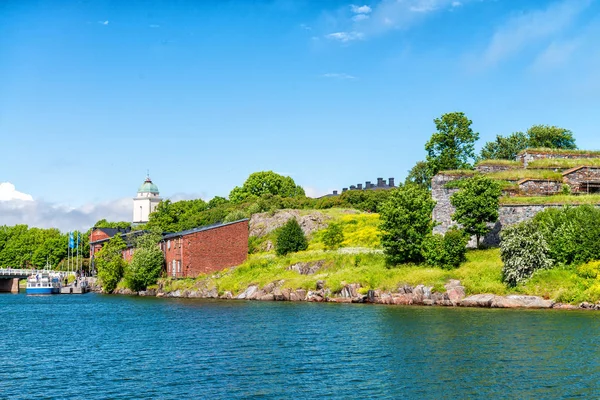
(206, 249)
(189, 253)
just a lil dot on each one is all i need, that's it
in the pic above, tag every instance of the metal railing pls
(30, 271)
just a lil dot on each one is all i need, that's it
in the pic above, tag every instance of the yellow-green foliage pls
(518, 174)
(360, 230)
(556, 199)
(589, 270)
(563, 163)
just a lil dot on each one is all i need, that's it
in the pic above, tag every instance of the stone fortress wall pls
(577, 178)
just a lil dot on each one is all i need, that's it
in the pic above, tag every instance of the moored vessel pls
(44, 283)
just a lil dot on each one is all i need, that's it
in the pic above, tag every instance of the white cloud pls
(154, 26)
(103, 22)
(43, 214)
(8, 192)
(402, 14)
(556, 54)
(360, 17)
(338, 76)
(315, 192)
(360, 9)
(305, 27)
(345, 37)
(529, 27)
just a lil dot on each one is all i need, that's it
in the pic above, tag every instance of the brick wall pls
(96, 235)
(206, 251)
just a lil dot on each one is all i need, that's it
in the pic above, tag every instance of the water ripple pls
(97, 347)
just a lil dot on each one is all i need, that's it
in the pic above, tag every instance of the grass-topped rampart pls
(558, 199)
(564, 163)
(518, 174)
(572, 152)
(504, 163)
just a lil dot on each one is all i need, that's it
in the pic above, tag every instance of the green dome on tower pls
(148, 187)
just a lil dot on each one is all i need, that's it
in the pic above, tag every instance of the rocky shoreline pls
(421, 295)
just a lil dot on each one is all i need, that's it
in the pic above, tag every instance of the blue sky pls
(332, 93)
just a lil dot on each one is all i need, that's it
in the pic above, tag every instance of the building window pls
(168, 244)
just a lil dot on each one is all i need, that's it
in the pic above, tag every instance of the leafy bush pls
(235, 215)
(572, 233)
(405, 222)
(290, 238)
(333, 236)
(565, 189)
(110, 263)
(589, 270)
(446, 251)
(147, 263)
(523, 250)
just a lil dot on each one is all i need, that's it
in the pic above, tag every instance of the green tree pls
(217, 201)
(551, 137)
(146, 264)
(476, 205)
(420, 174)
(290, 238)
(333, 237)
(110, 263)
(453, 145)
(266, 182)
(405, 222)
(504, 148)
(103, 223)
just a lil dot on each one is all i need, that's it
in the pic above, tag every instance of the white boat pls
(44, 283)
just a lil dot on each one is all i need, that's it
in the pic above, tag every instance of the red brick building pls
(188, 253)
(206, 249)
(100, 236)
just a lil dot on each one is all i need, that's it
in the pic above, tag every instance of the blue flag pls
(71, 241)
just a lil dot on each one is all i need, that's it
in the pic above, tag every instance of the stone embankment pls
(453, 296)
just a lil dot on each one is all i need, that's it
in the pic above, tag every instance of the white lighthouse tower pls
(145, 202)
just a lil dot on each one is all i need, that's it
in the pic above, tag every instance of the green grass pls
(564, 163)
(556, 199)
(518, 174)
(560, 151)
(507, 163)
(480, 274)
(504, 185)
(458, 172)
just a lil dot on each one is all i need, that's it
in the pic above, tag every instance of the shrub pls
(571, 233)
(147, 263)
(565, 189)
(523, 250)
(589, 270)
(333, 236)
(235, 215)
(405, 222)
(290, 238)
(110, 263)
(447, 251)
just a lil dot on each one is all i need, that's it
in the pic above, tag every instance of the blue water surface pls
(118, 347)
